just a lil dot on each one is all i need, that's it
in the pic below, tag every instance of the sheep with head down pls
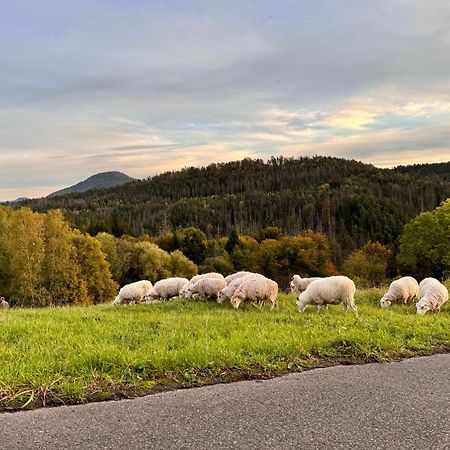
(235, 276)
(206, 275)
(165, 289)
(185, 291)
(204, 288)
(227, 292)
(432, 295)
(329, 291)
(255, 289)
(400, 291)
(133, 292)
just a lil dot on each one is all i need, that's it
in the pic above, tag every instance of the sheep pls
(184, 292)
(236, 275)
(206, 275)
(330, 290)
(401, 290)
(299, 284)
(3, 303)
(227, 292)
(133, 292)
(255, 289)
(165, 289)
(432, 295)
(204, 288)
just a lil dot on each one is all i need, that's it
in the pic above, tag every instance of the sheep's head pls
(236, 300)
(421, 308)
(221, 296)
(384, 302)
(293, 287)
(186, 292)
(301, 302)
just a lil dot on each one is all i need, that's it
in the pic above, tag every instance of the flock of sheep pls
(256, 289)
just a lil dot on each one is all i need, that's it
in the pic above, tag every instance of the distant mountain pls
(102, 180)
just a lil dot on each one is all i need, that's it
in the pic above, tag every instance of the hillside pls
(102, 180)
(349, 201)
(436, 170)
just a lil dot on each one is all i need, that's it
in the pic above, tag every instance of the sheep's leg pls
(355, 309)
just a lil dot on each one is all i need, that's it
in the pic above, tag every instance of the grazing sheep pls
(133, 292)
(329, 291)
(204, 288)
(401, 290)
(227, 292)
(3, 303)
(255, 289)
(207, 275)
(432, 295)
(184, 293)
(299, 284)
(165, 289)
(236, 275)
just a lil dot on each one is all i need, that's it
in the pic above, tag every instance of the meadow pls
(69, 355)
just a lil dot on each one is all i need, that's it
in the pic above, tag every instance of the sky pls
(149, 86)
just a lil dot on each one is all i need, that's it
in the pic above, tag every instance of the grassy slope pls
(72, 355)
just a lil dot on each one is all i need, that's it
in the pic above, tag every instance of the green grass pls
(74, 355)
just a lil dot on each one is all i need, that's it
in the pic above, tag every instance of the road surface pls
(404, 405)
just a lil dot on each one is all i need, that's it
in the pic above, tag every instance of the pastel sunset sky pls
(149, 86)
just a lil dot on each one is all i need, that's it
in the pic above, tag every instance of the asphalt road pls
(403, 405)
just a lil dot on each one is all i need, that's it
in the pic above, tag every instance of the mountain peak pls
(101, 180)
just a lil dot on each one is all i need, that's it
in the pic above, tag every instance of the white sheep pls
(299, 284)
(329, 291)
(401, 290)
(204, 288)
(3, 303)
(255, 289)
(432, 295)
(185, 293)
(227, 292)
(133, 292)
(167, 288)
(207, 275)
(236, 275)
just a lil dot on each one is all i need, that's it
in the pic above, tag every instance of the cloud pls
(150, 86)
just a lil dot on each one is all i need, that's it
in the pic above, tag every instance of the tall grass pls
(73, 355)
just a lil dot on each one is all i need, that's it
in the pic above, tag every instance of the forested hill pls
(349, 201)
(436, 170)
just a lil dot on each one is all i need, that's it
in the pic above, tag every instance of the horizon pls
(147, 88)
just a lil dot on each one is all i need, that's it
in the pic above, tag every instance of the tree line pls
(46, 262)
(349, 202)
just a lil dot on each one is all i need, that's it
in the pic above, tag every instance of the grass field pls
(74, 355)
